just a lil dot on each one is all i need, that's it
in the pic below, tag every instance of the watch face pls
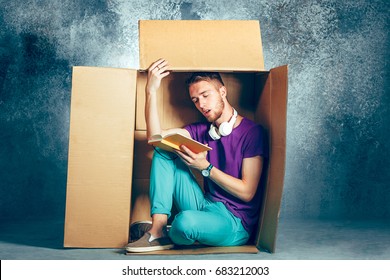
(205, 173)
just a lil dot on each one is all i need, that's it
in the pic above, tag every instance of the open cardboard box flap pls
(207, 45)
(107, 111)
(100, 157)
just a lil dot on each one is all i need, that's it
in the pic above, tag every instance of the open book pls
(173, 142)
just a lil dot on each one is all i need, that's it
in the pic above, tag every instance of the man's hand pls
(156, 72)
(191, 159)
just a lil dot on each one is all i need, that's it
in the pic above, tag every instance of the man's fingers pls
(183, 157)
(188, 151)
(154, 64)
(160, 66)
(163, 65)
(163, 75)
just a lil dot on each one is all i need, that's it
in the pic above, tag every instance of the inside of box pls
(176, 110)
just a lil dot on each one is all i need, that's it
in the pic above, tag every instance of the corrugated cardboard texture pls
(100, 157)
(140, 201)
(272, 114)
(202, 45)
(143, 154)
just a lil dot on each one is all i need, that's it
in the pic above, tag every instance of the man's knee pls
(183, 228)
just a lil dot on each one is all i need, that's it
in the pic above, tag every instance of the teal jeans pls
(199, 218)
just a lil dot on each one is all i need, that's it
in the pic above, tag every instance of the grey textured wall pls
(338, 155)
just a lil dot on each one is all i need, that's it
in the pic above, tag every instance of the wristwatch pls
(206, 172)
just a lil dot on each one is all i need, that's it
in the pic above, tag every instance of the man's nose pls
(201, 103)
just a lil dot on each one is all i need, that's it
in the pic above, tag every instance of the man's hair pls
(213, 77)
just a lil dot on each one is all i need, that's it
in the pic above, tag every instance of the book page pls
(175, 140)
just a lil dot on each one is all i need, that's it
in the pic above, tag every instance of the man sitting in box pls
(227, 212)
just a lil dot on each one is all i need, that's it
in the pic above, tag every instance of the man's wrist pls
(204, 166)
(206, 172)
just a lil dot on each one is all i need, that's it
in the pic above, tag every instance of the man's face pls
(207, 98)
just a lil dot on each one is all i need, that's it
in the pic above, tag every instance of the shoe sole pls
(147, 222)
(141, 222)
(149, 248)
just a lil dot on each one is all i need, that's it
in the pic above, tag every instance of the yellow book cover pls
(173, 142)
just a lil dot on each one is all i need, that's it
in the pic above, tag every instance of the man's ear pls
(223, 91)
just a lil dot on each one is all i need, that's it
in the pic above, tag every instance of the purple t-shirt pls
(246, 140)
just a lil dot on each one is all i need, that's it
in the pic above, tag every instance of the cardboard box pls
(100, 157)
(230, 47)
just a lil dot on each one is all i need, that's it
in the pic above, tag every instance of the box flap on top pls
(202, 44)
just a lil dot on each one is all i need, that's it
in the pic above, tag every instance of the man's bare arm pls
(156, 72)
(245, 188)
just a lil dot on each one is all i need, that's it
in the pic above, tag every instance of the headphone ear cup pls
(225, 129)
(213, 132)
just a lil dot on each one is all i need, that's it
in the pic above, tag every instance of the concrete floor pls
(297, 240)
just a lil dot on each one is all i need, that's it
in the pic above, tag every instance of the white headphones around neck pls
(224, 129)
